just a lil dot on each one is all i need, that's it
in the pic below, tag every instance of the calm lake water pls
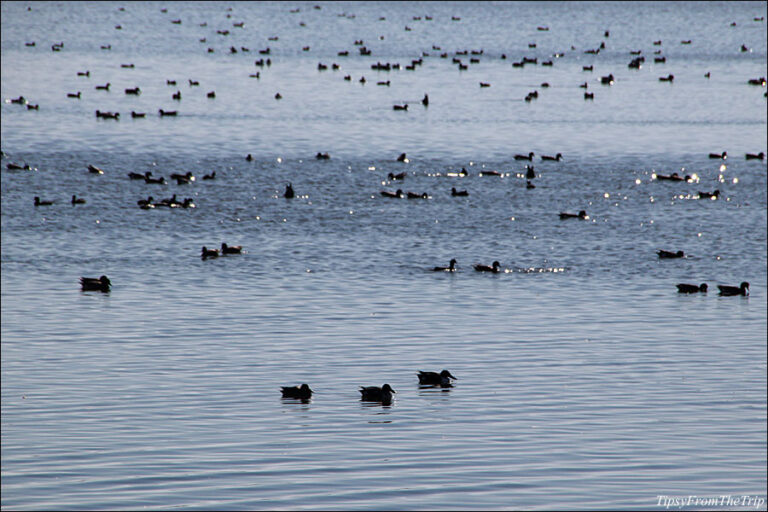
(585, 381)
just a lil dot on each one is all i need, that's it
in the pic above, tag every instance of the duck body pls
(398, 176)
(691, 288)
(38, 202)
(16, 167)
(302, 392)
(450, 268)
(752, 156)
(709, 195)
(211, 176)
(77, 200)
(394, 195)
(555, 158)
(721, 156)
(442, 379)
(669, 254)
(94, 170)
(289, 193)
(742, 289)
(414, 195)
(458, 193)
(381, 394)
(528, 157)
(234, 249)
(100, 284)
(485, 268)
(581, 215)
(209, 253)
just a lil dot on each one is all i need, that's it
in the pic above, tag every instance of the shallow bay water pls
(585, 381)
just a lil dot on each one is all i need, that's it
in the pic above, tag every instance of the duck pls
(425, 100)
(414, 195)
(485, 268)
(489, 173)
(209, 253)
(38, 202)
(402, 158)
(396, 195)
(211, 176)
(16, 167)
(381, 394)
(581, 215)
(322, 156)
(167, 112)
(176, 96)
(607, 80)
(668, 78)
(672, 177)
(156, 181)
(188, 203)
(211, 94)
(709, 195)
(721, 156)
(450, 268)
(95, 284)
(77, 200)
(94, 170)
(669, 254)
(752, 156)
(278, 96)
(530, 173)
(691, 288)
(21, 100)
(458, 193)
(742, 289)
(589, 96)
(139, 176)
(249, 158)
(529, 185)
(529, 157)
(302, 392)
(234, 249)
(185, 178)
(398, 176)
(135, 91)
(193, 83)
(73, 95)
(138, 114)
(289, 193)
(104, 87)
(555, 158)
(442, 379)
(145, 202)
(400, 107)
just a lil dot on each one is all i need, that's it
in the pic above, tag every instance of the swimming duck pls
(458, 193)
(77, 200)
(530, 173)
(188, 203)
(668, 78)
(16, 167)
(668, 254)
(95, 170)
(489, 173)
(442, 379)
(529, 185)
(289, 193)
(73, 95)
(486, 268)
(691, 288)
(104, 87)
(144, 202)
(450, 268)
(722, 155)
(176, 96)
(167, 112)
(156, 181)
(589, 96)
(38, 202)
(211, 176)
(302, 392)
(138, 114)
(235, 249)
(21, 100)
(138, 176)
(209, 253)
(607, 80)
(211, 94)
(581, 215)
(555, 158)
(752, 156)
(400, 107)
(709, 195)
(322, 156)
(278, 96)
(185, 178)
(381, 394)
(396, 195)
(193, 83)
(249, 158)
(402, 158)
(529, 157)
(414, 195)
(398, 176)
(733, 290)
(101, 284)
(425, 100)
(135, 91)
(672, 177)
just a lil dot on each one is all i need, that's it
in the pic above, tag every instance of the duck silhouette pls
(442, 379)
(485, 268)
(381, 394)
(95, 284)
(302, 392)
(691, 288)
(742, 289)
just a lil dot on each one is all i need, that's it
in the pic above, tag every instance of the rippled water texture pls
(585, 381)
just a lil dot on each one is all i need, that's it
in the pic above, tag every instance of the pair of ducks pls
(225, 249)
(480, 268)
(381, 394)
(742, 289)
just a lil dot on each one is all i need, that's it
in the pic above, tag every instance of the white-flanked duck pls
(442, 379)
(395, 195)
(94, 170)
(450, 268)
(709, 195)
(721, 156)
(691, 288)
(485, 268)
(381, 394)
(742, 289)
(302, 392)
(415, 195)
(95, 284)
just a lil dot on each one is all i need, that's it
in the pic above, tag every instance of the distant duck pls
(155, 181)
(709, 195)
(668, 254)
(138, 114)
(94, 170)
(183, 178)
(209, 253)
(529, 157)
(556, 158)
(414, 195)
(733, 290)
(193, 83)
(668, 78)
(135, 91)
(104, 87)
(530, 173)
(485, 268)
(425, 100)
(458, 193)
(398, 176)
(211, 176)
(164, 113)
(16, 167)
(322, 156)
(145, 202)
(139, 176)
(672, 177)
(234, 249)
(21, 100)
(442, 379)
(752, 156)
(212, 94)
(188, 203)
(721, 156)
(302, 392)
(396, 195)
(587, 68)
(289, 193)
(400, 107)
(377, 394)
(529, 185)
(463, 172)
(402, 158)
(170, 82)
(249, 158)
(77, 200)
(484, 84)
(589, 96)
(607, 80)
(489, 173)
(691, 288)
(38, 202)
(95, 284)
(450, 268)
(176, 96)
(73, 95)
(581, 215)
(278, 96)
